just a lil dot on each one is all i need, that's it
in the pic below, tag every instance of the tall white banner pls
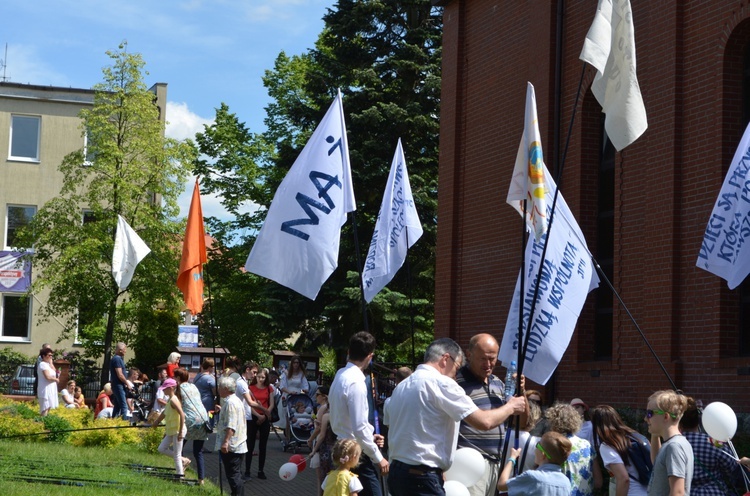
(567, 277)
(610, 48)
(725, 250)
(298, 245)
(398, 223)
(128, 253)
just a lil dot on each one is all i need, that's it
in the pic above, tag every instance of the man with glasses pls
(487, 391)
(423, 416)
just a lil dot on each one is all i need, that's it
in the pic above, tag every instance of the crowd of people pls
(450, 401)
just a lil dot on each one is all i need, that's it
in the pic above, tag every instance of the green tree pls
(128, 168)
(385, 57)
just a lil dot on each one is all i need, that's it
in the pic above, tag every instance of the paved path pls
(303, 484)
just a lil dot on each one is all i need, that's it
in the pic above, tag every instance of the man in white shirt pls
(349, 412)
(424, 415)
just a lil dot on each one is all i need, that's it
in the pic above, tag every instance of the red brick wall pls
(689, 63)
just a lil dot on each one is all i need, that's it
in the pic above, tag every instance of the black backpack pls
(639, 453)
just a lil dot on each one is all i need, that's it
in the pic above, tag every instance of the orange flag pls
(190, 279)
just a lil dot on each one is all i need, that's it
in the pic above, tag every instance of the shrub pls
(150, 439)
(58, 426)
(14, 427)
(106, 438)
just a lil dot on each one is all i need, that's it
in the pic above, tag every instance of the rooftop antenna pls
(4, 65)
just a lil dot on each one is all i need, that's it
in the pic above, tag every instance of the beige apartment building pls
(39, 126)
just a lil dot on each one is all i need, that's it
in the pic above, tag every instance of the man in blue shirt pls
(118, 380)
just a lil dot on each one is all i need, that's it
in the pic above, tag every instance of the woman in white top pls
(47, 387)
(614, 437)
(68, 395)
(294, 381)
(526, 442)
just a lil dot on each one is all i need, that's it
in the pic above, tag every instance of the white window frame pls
(15, 339)
(7, 218)
(38, 139)
(86, 161)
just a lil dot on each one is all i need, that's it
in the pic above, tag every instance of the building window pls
(17, 216)
(24, 138)
(14, 315)
(88, 153)
(605, 246)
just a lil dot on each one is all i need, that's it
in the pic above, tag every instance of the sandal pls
(186, 462)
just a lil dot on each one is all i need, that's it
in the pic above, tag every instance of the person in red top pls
(173, 362)
(260, 425)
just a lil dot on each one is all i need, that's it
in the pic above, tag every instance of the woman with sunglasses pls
(673, 458)
(614, 440)
(548, 479)
(48, 379)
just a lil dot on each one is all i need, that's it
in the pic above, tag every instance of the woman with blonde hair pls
(173, 362)
(526, 441)
(673, 458)
(104, 406)
(581, 469)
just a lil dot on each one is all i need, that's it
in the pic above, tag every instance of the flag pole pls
(632, 319)
(217, 399)
(558, 177)
(411, 304)
(359, 270)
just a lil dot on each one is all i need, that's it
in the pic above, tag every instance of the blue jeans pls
(118, 401)
(198, 454)
(369, 476)
(403, 482)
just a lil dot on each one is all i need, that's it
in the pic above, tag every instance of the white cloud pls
(182, 123)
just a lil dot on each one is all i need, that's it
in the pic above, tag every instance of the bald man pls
(486, 390)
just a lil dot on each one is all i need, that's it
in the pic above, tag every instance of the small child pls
(342, 482)
(79, 398)
(548, 479)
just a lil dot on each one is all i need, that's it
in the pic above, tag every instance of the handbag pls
(315, 460)
(206, 425)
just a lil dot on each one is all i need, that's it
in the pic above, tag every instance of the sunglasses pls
(541, 448)
(651, 413)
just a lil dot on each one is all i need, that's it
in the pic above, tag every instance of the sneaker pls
(247, 477)
(261, 475)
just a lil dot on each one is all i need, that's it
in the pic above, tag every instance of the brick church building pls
(643, 210)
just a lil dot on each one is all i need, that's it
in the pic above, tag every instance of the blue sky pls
(207, 51)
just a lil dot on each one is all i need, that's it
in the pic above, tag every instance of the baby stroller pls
(300, 422)
(140, 406)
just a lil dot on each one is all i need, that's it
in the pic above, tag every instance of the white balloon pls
(467, 468)
(288, 471)
(719, 421)
(455, 488)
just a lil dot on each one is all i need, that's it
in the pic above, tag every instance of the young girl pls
(175, 430)
(79, 398)
(548, 479)
(342, 482)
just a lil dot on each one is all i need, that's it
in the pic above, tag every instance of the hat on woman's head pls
(579, 402)
(167, 384)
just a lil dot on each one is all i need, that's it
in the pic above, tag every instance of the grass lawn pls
(42, 468)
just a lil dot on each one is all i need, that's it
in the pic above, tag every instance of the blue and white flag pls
(128, 253)
(527, 183)
(298, 245)
(567, 277)
(725, 249)
(396, 230)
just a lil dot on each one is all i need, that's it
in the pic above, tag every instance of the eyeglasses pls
(541, 448)
(651, 413)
